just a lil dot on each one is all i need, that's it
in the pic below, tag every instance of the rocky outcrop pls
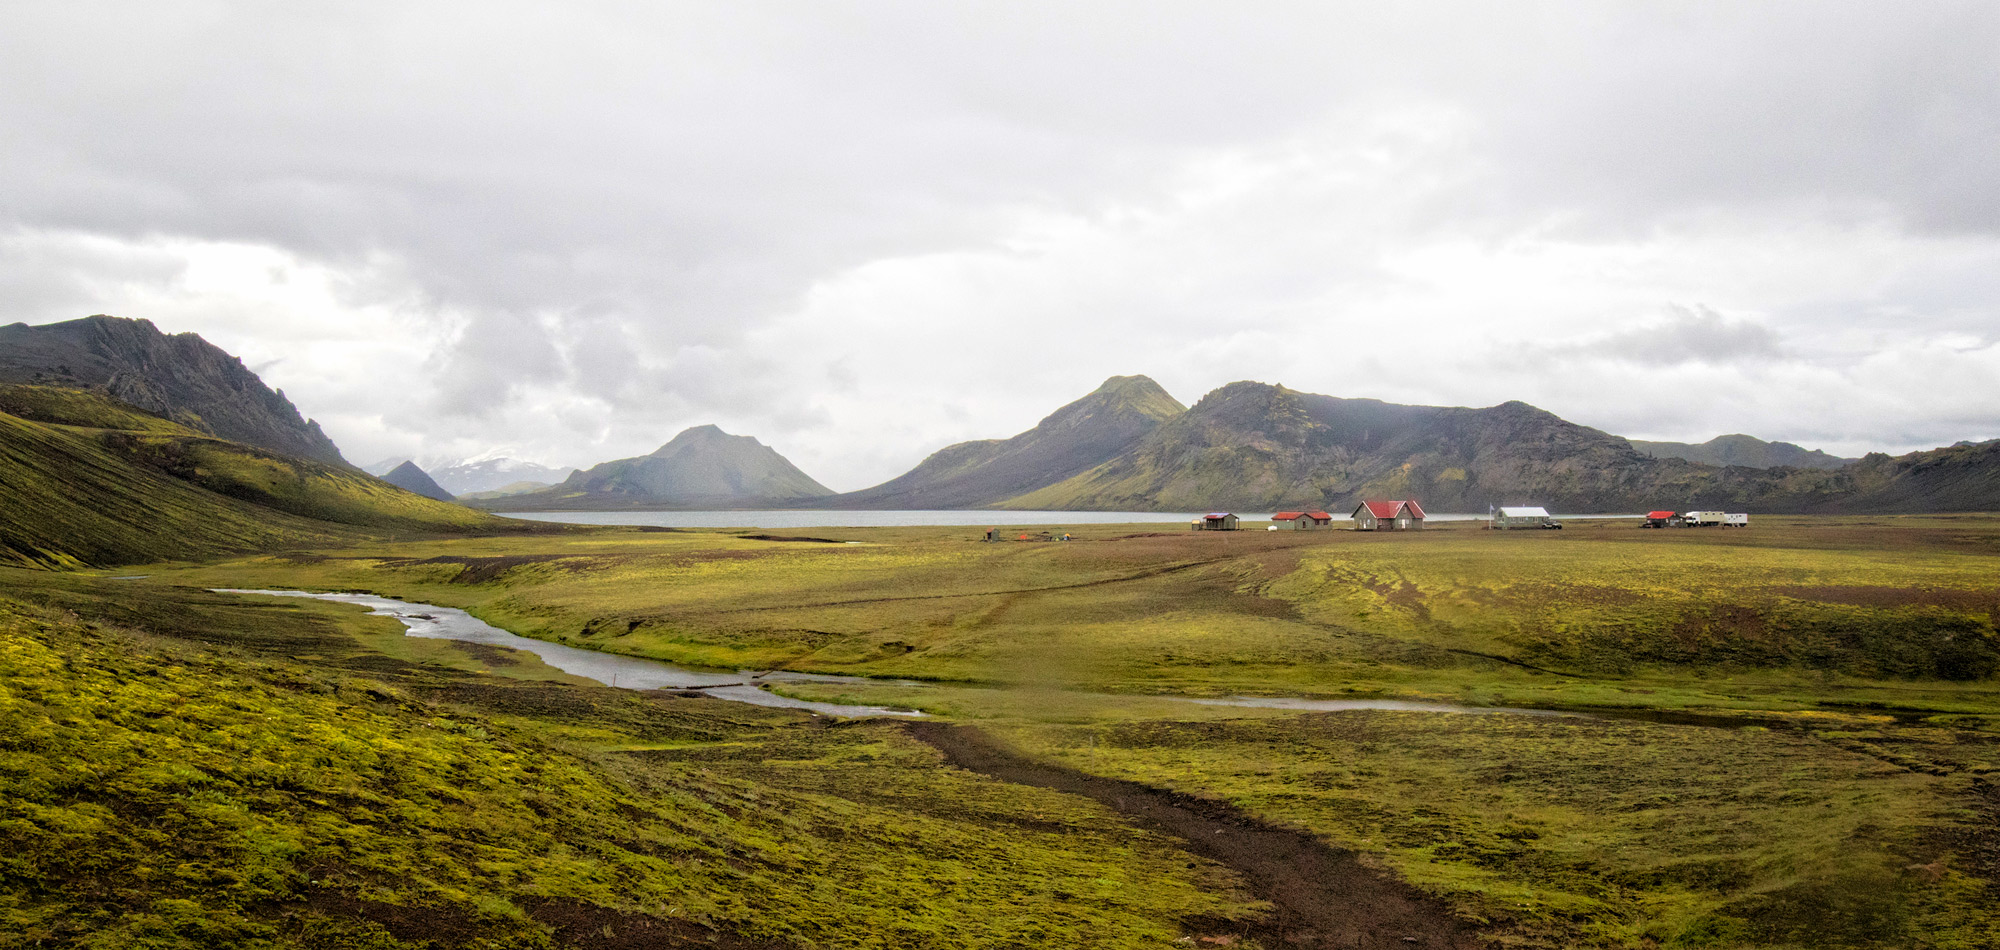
(180, 377)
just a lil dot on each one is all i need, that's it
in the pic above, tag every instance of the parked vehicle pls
(1736, 521)
(1703, 519)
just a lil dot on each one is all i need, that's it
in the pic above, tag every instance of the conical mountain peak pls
(702, 465)
(1072, 440)
(410, 478)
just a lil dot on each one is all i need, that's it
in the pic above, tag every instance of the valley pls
(1118, 733)
(1786, 736)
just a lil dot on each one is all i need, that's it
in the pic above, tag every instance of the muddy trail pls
(1321, 897)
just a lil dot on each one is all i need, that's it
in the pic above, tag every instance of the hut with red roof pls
(1405, 515)
(1303, 520)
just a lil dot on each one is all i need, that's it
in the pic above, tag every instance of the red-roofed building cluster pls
(1302, 520)
(1404, 515)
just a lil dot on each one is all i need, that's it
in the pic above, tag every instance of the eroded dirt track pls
(1321, 897)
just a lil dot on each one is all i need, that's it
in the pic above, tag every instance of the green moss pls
(1597, 833)
(85, 480)
(158, 793)
(1822, 822)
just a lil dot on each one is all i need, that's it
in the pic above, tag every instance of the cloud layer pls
(863, 231)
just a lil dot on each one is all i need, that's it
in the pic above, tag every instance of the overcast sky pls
(861, 231)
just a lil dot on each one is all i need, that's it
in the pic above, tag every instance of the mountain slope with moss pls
(85, 479)
(1257, 447)
(1070, 441)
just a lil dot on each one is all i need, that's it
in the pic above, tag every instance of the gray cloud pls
(1688, 334)
(864, 231)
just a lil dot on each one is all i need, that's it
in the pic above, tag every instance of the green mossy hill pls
(1257, 447)
(157, 793)
(83, 409)
(85, 480)
(180, 376)
(701, 466)
(1070, 441)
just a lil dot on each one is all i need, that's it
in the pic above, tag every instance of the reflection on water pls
(624, 672)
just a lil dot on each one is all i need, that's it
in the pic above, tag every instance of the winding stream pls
(631, 672)
(610, 669)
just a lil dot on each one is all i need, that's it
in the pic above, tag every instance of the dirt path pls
(1323, 897)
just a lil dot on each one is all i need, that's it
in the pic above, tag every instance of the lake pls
(805, 518)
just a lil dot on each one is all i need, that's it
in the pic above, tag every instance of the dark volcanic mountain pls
(701, 466)
(1253, 446)
(1072, 440)
(180, 377)
(1744, 450)
(410, 478)
(1963, 477)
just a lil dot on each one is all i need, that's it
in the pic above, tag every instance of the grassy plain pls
(1813, 761)
(248, 773)
(1788, 615)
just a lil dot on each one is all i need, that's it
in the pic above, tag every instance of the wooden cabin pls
(1302, 520)
(1405, 515)
(1662, 519)
(1217, 521)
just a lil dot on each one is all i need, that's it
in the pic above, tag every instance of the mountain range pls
(1255, 446)
(1128, 445)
